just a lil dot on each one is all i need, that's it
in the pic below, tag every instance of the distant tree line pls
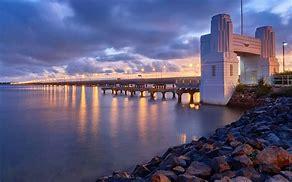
(5, 83)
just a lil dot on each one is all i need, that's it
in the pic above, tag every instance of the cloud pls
(97, 36)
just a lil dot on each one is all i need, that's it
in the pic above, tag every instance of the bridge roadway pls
(153, 89)
(101, 82)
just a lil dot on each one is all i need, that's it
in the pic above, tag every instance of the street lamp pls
(283, 45)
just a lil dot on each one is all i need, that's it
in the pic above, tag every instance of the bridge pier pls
(179, 97)
(142, 93)
(173, 95)
(191, 97)
(163, 95)
(103, 91)
(152, 95)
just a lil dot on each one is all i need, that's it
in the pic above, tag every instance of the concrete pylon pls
(268, 63)
(219, 64)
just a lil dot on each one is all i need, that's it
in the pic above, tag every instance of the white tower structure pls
(219, 62)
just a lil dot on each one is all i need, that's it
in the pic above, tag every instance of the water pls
(78, 134)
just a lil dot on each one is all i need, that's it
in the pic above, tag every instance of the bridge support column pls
(191, 97)
(163, 95)
(112, 91)
(179, 97)
(152, 95)
(132, 93)
(142, 93)
(173, 95)
(219, 64)
(103, 91)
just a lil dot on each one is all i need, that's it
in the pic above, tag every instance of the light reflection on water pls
(71, 133)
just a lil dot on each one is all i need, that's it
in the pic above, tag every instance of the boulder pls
(141, 171)
(287, 174)
(159, 178)
(240, 179)
(243, 149)
(243, 160)
(163, 176)
(178, 169)
(273, 158)
(199, 169)
(172, 161)
(219, 164)
(277, 178)
(189, 178)
(250, 173)
(220, 176)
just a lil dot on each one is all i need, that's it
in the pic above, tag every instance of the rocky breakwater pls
(257, 147)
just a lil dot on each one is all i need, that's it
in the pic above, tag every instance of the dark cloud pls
(36, 35)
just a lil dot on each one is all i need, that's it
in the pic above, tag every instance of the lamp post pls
(283, 45)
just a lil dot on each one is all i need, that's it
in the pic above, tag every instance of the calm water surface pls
(70, 133)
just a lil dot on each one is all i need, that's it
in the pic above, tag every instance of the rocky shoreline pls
(257, 147)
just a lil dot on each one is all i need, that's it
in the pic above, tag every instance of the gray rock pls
(219, 164)
(199, 169)
(178, 169)
(243, 149)
(277, 178)
(243, 160)
(240, 179)
(287, 174)
(189, 178)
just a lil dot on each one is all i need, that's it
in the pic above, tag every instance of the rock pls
(220, 176)
(219, 164)
(189, 178)
(199, 169)
(243, 149)
(224, 179)
(235, 143)
(141, 171)
(243, 160)
(178, 170)
(287, 174)
(273, 158)
(172, 161)
(121, 174)
(250, 173)
(164, 176)
(274, 139)
(277, 178)
(230, 138)
(255, 143)
(160, 178)
(207, 147)
(240, 179)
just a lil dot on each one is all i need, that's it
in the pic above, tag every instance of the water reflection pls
(114, 117)
(82, 112)
(96, 134)
(142, 111)
(73, 96)
(95, 110)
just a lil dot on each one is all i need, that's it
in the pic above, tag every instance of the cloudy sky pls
(71, 38)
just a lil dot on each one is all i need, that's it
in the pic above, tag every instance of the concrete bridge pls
(220, 51)
(152, 89)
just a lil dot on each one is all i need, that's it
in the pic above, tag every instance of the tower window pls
(231, 70)
(213, 70)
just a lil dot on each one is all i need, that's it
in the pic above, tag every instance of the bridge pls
(175, 85)
(220, 50)
(152, 89)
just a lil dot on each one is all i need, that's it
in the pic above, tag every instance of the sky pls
(72, 39)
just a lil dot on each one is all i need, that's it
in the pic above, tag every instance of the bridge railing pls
(282, 80)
